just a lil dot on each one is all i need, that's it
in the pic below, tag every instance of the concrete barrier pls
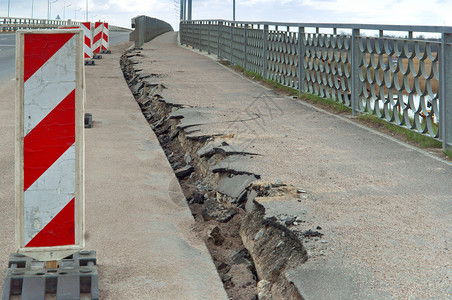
(147, 28)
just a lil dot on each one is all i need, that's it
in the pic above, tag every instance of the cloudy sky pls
(119, 12)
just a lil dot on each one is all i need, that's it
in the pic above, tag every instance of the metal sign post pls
(49, 143)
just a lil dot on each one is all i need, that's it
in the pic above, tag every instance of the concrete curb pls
(139, 222)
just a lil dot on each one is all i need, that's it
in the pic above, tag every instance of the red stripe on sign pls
(97, 36)
(97, 50)
(49, 140)
(106, 25)
(105, 37)
(39, 48)
(87, 41)
(60, 231)
(97, 24)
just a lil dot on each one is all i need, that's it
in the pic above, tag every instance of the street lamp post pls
(189, 10)
(50, 8)
(8, 6)
(32, 4)
(64, 11)
(86, 18)
(75, 11)
(233, 10)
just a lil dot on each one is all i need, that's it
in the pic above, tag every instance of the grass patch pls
(267, 82)
(422, 140)
(448, 153)
(282, 88)
(327, 103)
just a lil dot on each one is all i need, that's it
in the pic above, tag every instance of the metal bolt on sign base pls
(75, 276)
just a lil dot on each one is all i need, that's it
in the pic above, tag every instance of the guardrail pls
(406, 81)
(13, 24)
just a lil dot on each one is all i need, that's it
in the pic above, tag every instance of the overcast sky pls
(119, 12)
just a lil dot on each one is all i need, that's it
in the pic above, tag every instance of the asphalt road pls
(8, 52)
(7, 57)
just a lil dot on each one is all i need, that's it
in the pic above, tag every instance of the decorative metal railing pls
(403, 80)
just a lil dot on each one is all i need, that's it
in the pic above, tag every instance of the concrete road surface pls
(7, 57)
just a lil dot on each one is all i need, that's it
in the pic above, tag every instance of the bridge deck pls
(384, 206)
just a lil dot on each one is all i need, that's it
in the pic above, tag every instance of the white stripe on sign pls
(54, 91)
(48, 195)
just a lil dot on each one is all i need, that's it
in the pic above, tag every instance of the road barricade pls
(87, 44)
(50, 143)
(101, 38)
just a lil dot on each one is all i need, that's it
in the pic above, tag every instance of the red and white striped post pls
(97, 39)
(101, 38)
(105, 39)
(49, 143)
(87, 47)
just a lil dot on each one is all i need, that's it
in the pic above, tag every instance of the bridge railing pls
(402, 78)
(13, 24)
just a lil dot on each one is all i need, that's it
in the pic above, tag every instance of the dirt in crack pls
(216, 223)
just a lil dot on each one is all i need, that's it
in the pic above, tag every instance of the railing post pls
(232, 44)
(445, 81)
(245, 41)
(208, 37)
(301, 50)
(264, 51)
(200, 25)
(355, 90)
(192, 37)
(219, 28)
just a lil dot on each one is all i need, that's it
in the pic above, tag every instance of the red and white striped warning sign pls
(87, 46)
(49, 143)
(97, 39)
(101, 37)
(105, 37)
